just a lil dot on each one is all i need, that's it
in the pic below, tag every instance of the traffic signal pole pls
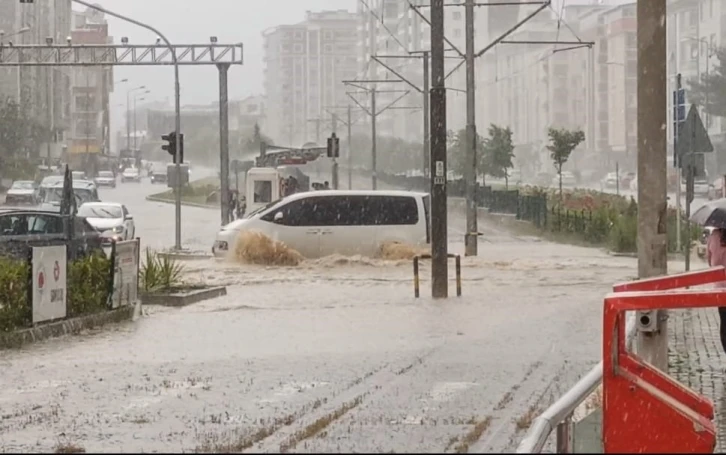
(334, 122)
(224, 142)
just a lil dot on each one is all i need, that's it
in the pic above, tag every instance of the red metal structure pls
(644, 410)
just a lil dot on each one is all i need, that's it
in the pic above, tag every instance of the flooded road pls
(333, 355)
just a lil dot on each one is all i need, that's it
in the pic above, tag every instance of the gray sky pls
(194, 21)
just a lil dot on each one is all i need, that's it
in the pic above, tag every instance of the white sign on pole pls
(49, 266)
(126, 273)
(439, 169)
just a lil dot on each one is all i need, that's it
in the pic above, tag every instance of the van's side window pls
(366, 211)
(303, 212)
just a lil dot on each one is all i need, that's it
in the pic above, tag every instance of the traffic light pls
(170, 148)
(333, 146)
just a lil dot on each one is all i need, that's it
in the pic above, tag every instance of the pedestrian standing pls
(716, 256)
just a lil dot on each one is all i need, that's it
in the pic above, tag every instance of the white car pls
(78, 175)
(321, 223)
(568, 179)
(22, 192)
(111, 219)
(105, 178)
(131, 174)
(610, 180)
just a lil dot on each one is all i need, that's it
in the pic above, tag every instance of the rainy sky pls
(194, 22)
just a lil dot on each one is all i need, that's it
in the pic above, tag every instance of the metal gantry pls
(120, 55)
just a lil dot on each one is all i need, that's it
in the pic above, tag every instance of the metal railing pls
(561, 410)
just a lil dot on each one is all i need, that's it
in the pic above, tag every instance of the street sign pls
(333, 148)
(692, 136)
(679, 116)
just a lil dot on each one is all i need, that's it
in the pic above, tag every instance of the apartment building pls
(305, 65)
(90, 90)
(393, 27)
(45, 90)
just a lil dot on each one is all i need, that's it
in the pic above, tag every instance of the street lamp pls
(128, 114)
(136, 98)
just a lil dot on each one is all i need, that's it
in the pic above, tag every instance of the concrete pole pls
(374, 115)
(128, 120)
(652, 153)
(334, 121)
(471, 237)
(224, 142)
(426, 116)
(350, 149)
(439, 247)
(678, 169)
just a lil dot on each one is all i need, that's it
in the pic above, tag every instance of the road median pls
(202, 193)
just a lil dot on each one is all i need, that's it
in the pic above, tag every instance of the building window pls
(298, 48)
(457, 33)
(456, 15)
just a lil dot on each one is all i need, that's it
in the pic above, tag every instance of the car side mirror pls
(129, 217)
(278, 217)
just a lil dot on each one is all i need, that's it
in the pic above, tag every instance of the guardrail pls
(416, 281)
(559, 415)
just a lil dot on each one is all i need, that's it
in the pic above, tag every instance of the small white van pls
(320, 223)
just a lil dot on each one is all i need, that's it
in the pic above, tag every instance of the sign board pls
(692, 136)
(49, 282)
(439, 169)
(698, 161)
(126, 273)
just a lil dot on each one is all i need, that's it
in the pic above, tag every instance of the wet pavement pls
(333, 355)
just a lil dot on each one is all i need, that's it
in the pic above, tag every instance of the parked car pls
(320, 223)
(22, 192)
(111, 219)
(715, 190)
(131, 174)
(21, 229)
(610, 180)
(158, 175)
(626, 178)
(78, 175)
(105, 178)
(568, 179)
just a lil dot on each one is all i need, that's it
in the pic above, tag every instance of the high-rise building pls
(43, 90)
(305, 65)
(91, 87)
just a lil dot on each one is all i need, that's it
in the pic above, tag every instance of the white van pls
(320, 223)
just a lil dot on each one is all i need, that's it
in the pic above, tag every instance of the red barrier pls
(644, 410)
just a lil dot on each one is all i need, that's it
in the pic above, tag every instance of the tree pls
(456, 147)
(562, 143)
(710, 91)
(20, 137)
(499, 152)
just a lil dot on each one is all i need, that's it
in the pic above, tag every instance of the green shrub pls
(88, 290)
(15, 309)
(160, 273)
(88, 285)
(623, 236)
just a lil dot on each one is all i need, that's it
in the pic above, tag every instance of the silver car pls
(111, 219)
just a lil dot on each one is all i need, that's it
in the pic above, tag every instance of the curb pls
(190, 204)
(185, 256)
(185, 298)
(73, 326)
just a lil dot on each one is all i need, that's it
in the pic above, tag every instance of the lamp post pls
(128, 114)
(3, 36)
(136, 98)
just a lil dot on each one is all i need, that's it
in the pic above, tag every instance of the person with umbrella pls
(713, 215)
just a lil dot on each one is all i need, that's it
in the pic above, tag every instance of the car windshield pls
(100, 211)
(78, 175)
(105, 174)
(22, 185)
(131, 171)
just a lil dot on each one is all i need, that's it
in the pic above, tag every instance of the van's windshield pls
(52, 195)
(261, 209)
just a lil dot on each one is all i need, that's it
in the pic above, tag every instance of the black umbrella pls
(711, 214)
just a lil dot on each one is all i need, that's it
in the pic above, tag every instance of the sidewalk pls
(696, 359)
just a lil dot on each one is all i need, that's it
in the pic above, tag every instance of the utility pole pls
(439, 247)
(374, 139)
(334, 125)
(471, 238)
(427, 114)
(652, 176)
(350, 149)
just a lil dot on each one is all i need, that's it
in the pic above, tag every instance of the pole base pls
(471, 245)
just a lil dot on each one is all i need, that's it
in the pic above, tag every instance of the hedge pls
(88, 290)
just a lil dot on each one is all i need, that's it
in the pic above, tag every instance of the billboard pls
(48, 282)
